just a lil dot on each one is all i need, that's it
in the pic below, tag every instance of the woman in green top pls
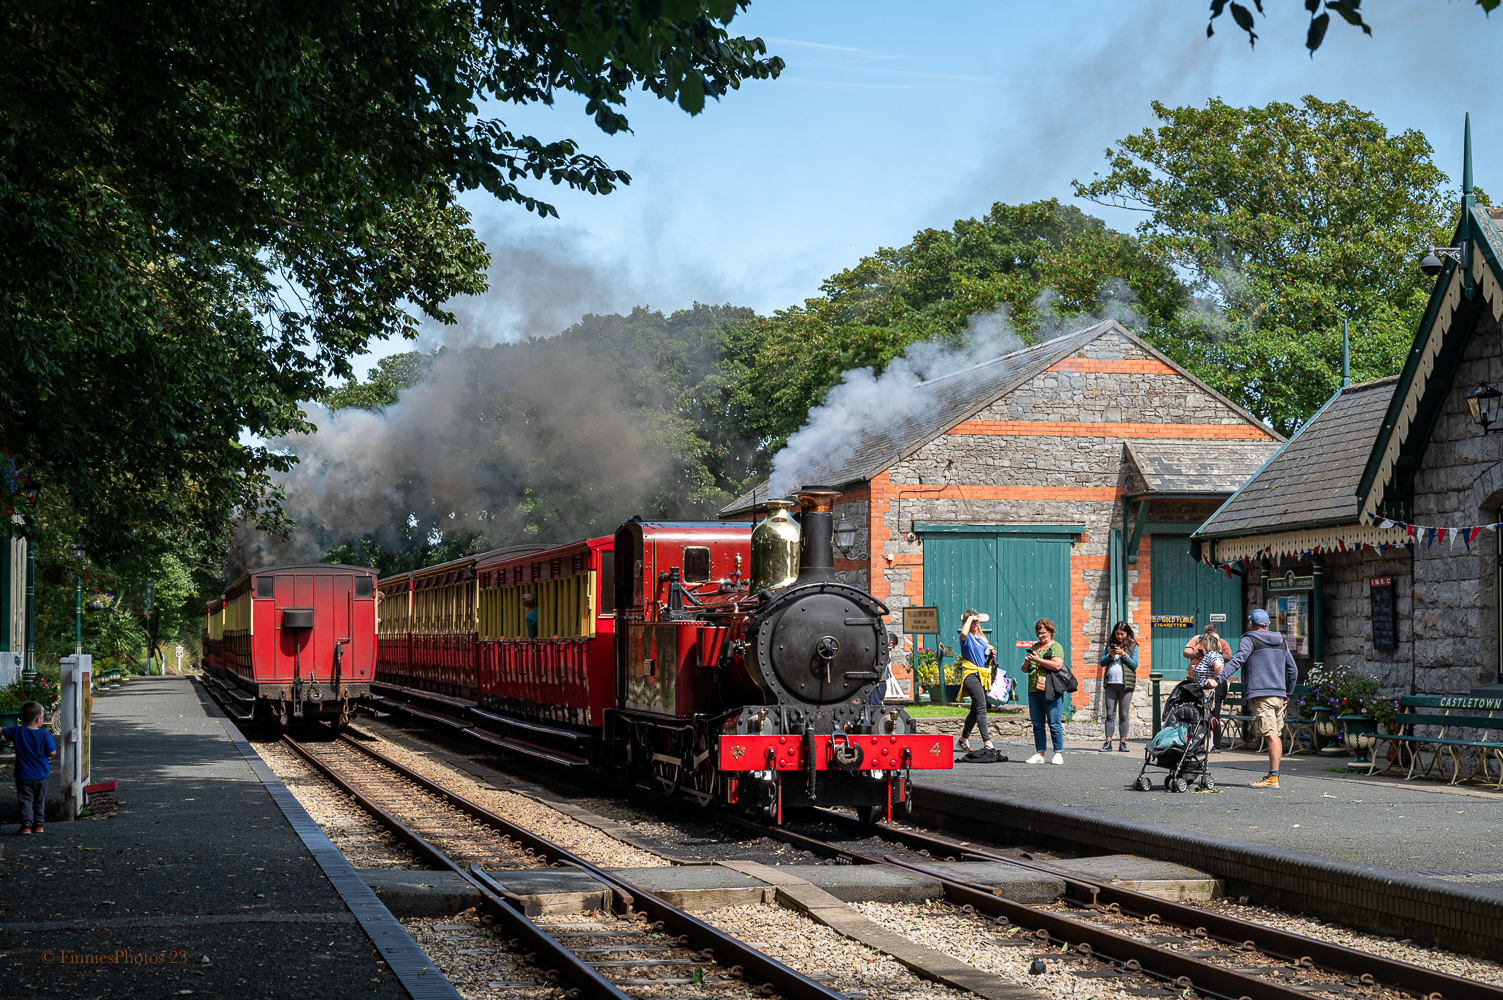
(1044, 657)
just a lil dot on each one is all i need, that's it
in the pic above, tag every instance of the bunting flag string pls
(1433, 534)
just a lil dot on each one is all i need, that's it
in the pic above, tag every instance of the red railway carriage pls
(290, 642)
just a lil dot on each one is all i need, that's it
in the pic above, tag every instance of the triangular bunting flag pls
(1385, 523)
(1429, 537)
(1471, 535)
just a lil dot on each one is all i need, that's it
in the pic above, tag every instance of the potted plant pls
(925, 672)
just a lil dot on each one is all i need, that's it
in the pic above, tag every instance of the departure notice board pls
(1384, 616)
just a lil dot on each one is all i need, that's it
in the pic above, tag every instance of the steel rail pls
(584, 979)
(727, 950)
(1228, 929)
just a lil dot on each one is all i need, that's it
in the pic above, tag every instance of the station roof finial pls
(1467, 198)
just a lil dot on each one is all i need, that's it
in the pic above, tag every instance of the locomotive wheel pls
(870, 815)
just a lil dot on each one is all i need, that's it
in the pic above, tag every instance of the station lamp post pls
(29, 669)
(78, 556)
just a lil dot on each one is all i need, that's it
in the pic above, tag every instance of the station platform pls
(198, 883)
(1422, 826)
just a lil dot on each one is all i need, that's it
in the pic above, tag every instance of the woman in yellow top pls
(975, 679)
(1044, 657)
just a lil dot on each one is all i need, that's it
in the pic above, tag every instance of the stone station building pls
(1408, 452)
(1059, 481)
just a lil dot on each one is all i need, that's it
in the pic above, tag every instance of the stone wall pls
(1348, 612)
(1000, 467)
(1460, 482)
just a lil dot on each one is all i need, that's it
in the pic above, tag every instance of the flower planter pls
(1325, 730)
(1361, 736)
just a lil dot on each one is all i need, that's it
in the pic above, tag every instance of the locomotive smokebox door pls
(823, 647)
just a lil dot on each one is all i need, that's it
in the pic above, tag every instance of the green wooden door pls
(1183, 588)
(1016, 577)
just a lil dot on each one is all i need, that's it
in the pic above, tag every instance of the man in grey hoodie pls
(1268, 680)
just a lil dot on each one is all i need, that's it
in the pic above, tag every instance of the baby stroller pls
(1182, 747)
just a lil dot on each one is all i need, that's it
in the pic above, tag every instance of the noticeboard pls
(1384, 614)
(921, 621)
(1172, 621)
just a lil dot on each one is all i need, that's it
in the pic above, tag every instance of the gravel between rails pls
(810, 947)
(472, 958)
(351, 829)
(587, 842)
(972, 939)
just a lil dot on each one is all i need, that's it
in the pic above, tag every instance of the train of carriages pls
(722, 660)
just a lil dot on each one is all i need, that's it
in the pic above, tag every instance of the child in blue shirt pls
(35, 749)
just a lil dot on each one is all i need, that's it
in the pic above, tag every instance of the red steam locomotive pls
(716, 660)
(293, 642)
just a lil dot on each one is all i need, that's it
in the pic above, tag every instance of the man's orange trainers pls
(1271, 781)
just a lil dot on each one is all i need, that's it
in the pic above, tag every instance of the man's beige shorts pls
(1267, 715)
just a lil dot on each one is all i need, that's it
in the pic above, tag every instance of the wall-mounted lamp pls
(1433, 264)
(1485, 402)
(845, 537)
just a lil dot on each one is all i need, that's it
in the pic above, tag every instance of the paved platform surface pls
(1420, 826)
(197, 883)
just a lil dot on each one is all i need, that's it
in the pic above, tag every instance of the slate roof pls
(1200, 467)
(951, 398)
(1313, 479)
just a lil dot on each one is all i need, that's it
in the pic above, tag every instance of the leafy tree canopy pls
(1034, 262)
(1320, 11)
(206, 210)
(1285, 220)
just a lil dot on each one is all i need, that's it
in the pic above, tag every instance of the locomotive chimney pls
(816, 554)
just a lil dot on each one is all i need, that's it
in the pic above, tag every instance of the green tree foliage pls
(1036, 263)
(382, 387)
(206, 210)
(1320, 17)
(1284, 220)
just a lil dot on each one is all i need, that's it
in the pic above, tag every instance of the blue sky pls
(894, 117)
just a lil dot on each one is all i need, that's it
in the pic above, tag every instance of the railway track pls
(1132, 937)
(648, 945)
(1170, 943)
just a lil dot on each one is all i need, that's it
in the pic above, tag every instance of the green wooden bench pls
(1449, 713)
(1298, 734)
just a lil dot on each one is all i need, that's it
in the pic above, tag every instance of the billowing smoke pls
(897, 398)
(864, 399)
(534, 442)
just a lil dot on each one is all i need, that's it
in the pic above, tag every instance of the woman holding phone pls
(974, 679)
(1044, 658)
(1119, 677)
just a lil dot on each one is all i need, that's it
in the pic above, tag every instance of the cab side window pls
(696, 564)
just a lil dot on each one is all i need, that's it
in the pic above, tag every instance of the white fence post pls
(73, 765)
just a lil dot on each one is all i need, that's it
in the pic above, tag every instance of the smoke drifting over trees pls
(545, 441)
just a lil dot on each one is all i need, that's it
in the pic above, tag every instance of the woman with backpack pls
(974, 681)
(1119, 677)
